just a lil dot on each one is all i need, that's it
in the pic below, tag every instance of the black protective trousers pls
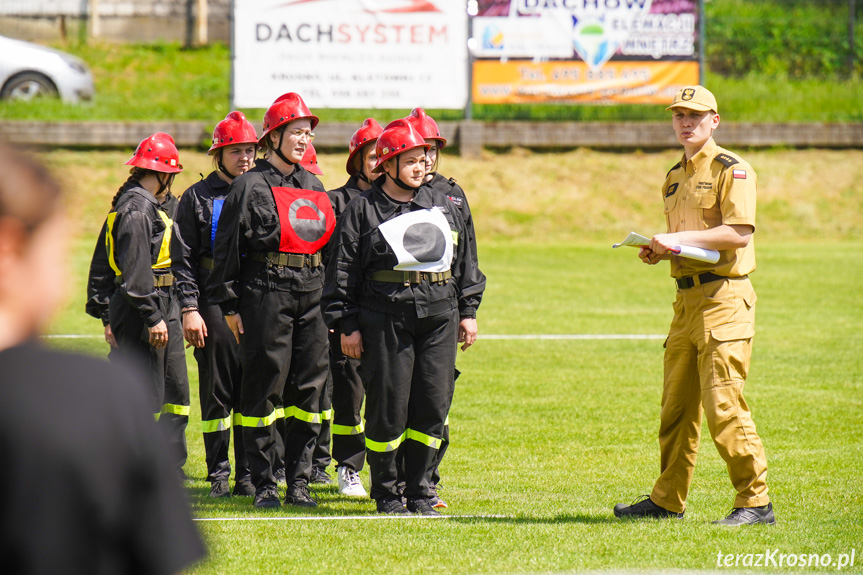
(219, 378)
(349, 439)
(166, 366)
(284, 357)
(322, 456)
(407, 369)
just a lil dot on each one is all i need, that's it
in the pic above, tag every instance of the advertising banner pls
(599, 51)
(351, 53)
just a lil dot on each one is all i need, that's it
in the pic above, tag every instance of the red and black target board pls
(306, 220)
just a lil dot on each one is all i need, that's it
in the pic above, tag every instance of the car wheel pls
(28, 85)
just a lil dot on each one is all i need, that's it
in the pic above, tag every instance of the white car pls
(30, 70)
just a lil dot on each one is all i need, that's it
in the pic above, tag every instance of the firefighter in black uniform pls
(402, 288)
(321, 457)
(428, 129)
(142, 313)
(216, 351)
(349, 447)
(90, 487)
(267, 278)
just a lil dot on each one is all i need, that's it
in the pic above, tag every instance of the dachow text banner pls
(586, 51)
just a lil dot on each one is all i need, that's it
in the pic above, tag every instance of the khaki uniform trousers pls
(706, 362)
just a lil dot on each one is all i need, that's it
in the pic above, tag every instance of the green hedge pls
(781, 38)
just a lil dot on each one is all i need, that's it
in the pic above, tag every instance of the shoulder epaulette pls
(451, 181)
(674, 167)
(726, 160)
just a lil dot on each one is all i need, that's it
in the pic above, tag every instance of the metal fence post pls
(702, 27)
(852, 11)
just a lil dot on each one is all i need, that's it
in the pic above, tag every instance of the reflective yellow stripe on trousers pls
(214, 425)
(307, 416)
(247, 421)
(418, 436)
(173, 410)
(348, 429)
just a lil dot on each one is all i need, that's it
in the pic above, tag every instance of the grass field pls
(547, 435)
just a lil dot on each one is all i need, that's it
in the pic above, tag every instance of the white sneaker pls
(349, 482)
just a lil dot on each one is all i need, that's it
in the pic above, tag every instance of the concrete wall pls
(469, 136)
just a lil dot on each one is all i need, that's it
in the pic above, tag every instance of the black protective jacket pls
(457, 196)
(250, 224)
(102, 280)
(195, 236)
(340, 197)
(358, 248)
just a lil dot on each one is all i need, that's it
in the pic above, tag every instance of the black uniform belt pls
(689, 281)
(206, 263)
(408, 278)
(286, 259)
(163, 280)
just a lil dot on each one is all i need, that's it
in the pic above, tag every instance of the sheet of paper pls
(700, 254)
(633, 239)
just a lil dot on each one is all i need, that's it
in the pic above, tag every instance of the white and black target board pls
(421, 240)
(306, 220)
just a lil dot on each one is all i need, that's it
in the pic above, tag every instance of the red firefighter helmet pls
(426, 126)
(157, 153)
(287, 108)
(399, 136)
(367, 134)
(310, 161)
(234, 129)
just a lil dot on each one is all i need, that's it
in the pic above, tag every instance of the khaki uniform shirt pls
(713, 188)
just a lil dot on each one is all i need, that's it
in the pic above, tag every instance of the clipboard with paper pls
(700, 254)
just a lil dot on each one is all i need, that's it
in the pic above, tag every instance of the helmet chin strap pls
(166, 184)
(398, 180)
(278, 150)
(222, 169)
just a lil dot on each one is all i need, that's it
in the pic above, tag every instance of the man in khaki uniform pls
(709, 203)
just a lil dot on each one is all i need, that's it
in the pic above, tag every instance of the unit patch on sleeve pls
(456, 200)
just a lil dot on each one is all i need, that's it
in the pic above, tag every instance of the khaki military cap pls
(696, 98)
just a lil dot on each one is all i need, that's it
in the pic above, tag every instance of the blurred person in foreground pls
(88, 485)
(709, 198)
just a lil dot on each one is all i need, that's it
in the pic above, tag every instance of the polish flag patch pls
(739, 174)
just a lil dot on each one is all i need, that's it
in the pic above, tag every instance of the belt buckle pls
(685, 283)
(413, 277)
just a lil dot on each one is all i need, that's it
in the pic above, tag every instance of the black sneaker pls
(644, 507)
(267, 497)
(422, 506)
(320, 477)
(244, 488)
(392, 506)
(299, 495)
(435, 499)
(220, 489)
(749, 516)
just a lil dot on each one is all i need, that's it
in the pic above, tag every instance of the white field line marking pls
(545, 336)
(352, 517)
(582, 336)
